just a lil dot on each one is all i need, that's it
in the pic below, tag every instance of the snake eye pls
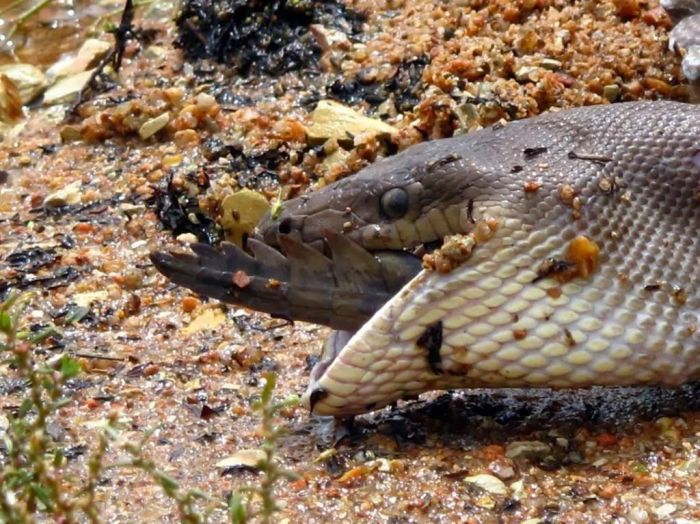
(394, 203)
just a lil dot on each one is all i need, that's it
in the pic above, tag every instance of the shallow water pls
(58, 28)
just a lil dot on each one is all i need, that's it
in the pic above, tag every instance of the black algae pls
(260, 36)
(405, 85)
(180, 213)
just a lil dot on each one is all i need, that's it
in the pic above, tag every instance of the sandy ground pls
(191, 368)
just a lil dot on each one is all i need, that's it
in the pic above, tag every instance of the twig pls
(98, 357)
(122, 33)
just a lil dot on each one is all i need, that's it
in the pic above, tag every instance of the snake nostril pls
(285, 226)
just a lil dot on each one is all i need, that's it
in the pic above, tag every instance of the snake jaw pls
(308, 229)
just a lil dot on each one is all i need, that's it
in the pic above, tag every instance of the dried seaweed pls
(31, 259)
(122, 33)
(180, 213)
(85, 212)
(405, 85)
(255, 171)
(61, 277)
(260, 36)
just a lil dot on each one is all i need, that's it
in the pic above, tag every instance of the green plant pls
(34, 476)
(240, 503)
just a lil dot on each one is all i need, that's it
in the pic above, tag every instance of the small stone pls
(531, 449)
(157, 52)
(502, 469)
(611, 92)
(337, 158)
(658, 85)
(329, 38)
(66, 89)
(627, 9)
(528, 74)
(245, 356)
(30, 80)
(133, 279)
(209, 319)
(187, 238)
(518, 489)
(485, 502)
(387, 108)
(87, 57)
(132, 210)
(10, 101)
(245, 458)
(152, 126)
(567, 193)
(71, 133)
(241, 212)
(691, 466)
(86, 299)
(333, 120)
(68, 196)
(664, 511)
(638, 515)
(527, 41)
(550, 64)
(150, 370)
(469, 117)
(186, 138)
(488, 483)
(189, 304)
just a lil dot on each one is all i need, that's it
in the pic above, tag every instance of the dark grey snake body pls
(625, 178)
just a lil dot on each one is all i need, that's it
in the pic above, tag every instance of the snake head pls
(400, 202)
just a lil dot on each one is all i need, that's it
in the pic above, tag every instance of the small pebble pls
(187, 238)
(189, 304)
(488, 483)
(151, 370)
(527, 449)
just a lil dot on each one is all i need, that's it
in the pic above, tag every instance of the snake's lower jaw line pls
(331, 348)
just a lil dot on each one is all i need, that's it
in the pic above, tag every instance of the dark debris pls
(471, 414)
(32, 258)
(61, 277)
(255, 171)
(260, 36)
(180, 213)
(405, 86)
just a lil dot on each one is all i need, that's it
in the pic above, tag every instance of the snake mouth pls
(341, 286)
(331, 349)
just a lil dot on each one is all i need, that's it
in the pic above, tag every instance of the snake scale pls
(576, 260)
